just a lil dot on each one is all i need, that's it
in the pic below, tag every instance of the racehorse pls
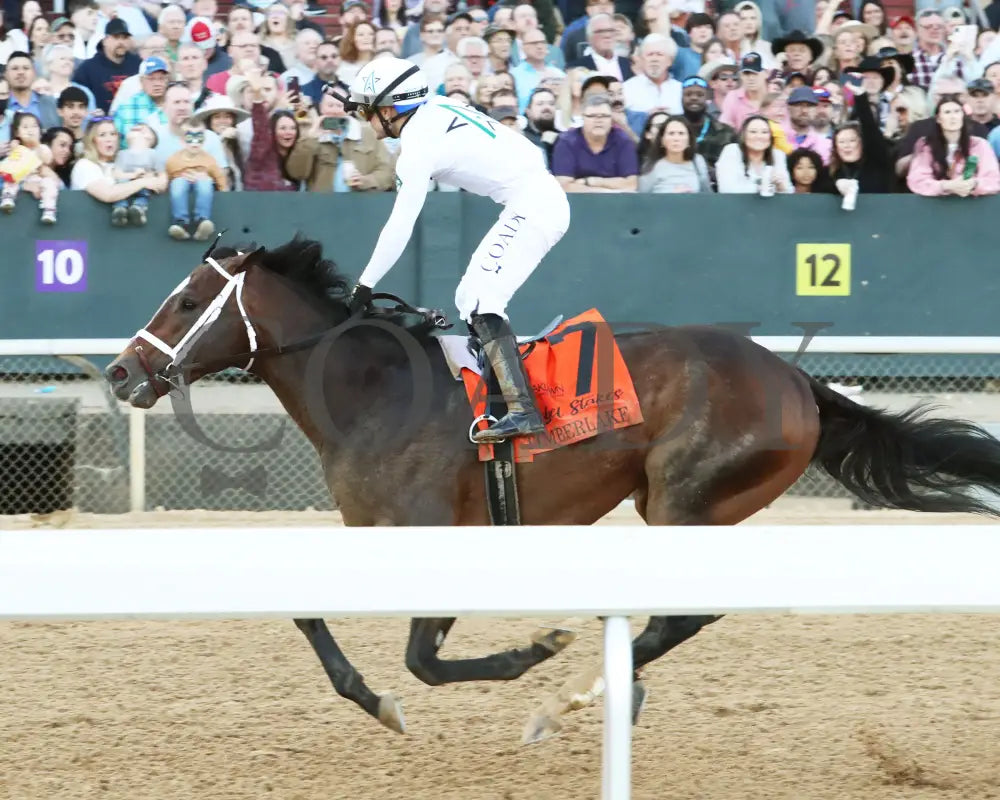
(727, 428)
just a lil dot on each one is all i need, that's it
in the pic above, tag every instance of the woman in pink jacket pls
(951, 161)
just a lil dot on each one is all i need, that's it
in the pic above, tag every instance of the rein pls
(161, 381)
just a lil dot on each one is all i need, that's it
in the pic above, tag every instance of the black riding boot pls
(522, 416)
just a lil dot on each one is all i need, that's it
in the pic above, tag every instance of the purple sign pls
(60, 266)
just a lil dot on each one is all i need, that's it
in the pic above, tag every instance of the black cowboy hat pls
(797, 37)
(905, 60)
(874, 64)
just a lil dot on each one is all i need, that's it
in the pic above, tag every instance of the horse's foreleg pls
(346, 679)
(660, 635)
(428, 634)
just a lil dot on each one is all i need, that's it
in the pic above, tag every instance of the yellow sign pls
(822, 269)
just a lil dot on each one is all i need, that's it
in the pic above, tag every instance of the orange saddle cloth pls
(581, 385)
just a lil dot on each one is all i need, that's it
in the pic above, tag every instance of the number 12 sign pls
(60, 266)
(822, 269)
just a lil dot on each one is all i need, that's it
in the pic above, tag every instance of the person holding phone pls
(336, 153)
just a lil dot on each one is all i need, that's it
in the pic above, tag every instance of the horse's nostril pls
(117, 374)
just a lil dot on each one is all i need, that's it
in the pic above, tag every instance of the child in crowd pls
(192, 171)
(135, 162)
(28, 166)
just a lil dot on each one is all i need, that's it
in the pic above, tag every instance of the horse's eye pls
(188, 304)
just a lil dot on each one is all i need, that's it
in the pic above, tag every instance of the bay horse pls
(727, 428)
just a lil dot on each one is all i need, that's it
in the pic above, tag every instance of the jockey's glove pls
(361, 299)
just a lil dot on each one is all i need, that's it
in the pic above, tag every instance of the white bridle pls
(234, 283)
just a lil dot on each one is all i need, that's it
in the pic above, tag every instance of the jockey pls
(445, 140)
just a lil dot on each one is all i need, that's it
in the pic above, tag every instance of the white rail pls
(614, 572)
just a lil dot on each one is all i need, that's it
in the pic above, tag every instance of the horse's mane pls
(301, 262)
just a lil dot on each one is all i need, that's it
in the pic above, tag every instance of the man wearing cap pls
(111, 64)
(802, 104)
(981, 103)
(745, 101)
(154, 74)
(500, 42)
(710, 135)
(903, 32)
(202, 32)
(722, 78)
(653, 88)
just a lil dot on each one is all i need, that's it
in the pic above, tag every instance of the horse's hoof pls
(639, 696)
(539, 728)
(390, 713)
(554, 639)
(579, 700)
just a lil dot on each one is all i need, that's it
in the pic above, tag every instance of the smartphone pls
(965, 36)
(333, 124)
(292, 85)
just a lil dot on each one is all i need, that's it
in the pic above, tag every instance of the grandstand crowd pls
(123, 99)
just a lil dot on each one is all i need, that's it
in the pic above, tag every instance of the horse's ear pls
(255, 258)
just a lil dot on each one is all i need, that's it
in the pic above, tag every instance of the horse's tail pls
(905, 460)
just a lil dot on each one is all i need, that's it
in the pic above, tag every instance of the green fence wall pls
(901, 265)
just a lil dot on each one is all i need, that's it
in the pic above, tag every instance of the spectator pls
(473, 52)
(729, 30)
(500, 44)
(154, 46)
(191, 66)
(110, 65)
(872, 13)
(327, 65)
(722, 78)
(574, 37)
(676, 167)
(700, 30)
(273, 138)
(412, 43)
(336, 153)
(950, 160)
(710, 135)
(83, 15)
(981, 103)
(72, 109)
(20, 75)
(307, 41)
(653, 88)
(929, 48)
(178, 105)
(456, 28)
(357, 48)
(137, 161)
(433, 59)
(59, 67)
(505, 115)
(902, 66)
(715, 51)
(800, 52)
(541, 126)
(598, 157)
(800, 133)
(126, 13)
(808, 173)
(221, 117)
(860, 153)
(94, 171)
(245, 54)
(747, 100)
(752, 164)
(903, 31)
(392, 17)
(569, 105)
(602, 57)
(352, 12)
(153, 74)
(170, 24)
(35, 174)
(457, 79)
(649, 139)
(751, 30)
(532, 68)
(241, 19)
(38, 39)
(62, 143)
(525, 19)
(203, 32)
(279, 32)
(908, 106)
(193, 175)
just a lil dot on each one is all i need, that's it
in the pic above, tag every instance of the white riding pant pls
(528, 227)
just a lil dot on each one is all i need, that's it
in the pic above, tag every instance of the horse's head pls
(175, 343)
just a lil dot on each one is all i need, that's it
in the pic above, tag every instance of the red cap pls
(904, 18)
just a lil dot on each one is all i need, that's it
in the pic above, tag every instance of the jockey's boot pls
(522, 416)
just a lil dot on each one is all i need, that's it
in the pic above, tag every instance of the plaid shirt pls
(136, 109)
(924, 67)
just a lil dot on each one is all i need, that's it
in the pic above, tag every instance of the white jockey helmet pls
(389, 81)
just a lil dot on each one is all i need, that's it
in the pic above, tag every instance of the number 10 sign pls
(60, 266)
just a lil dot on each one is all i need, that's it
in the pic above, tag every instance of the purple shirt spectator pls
(573, 157)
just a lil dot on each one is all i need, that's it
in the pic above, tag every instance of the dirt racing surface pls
(810, 708)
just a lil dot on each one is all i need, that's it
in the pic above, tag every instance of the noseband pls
(168, 377)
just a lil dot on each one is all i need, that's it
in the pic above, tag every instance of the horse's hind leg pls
(427, 635)
(346, 679)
